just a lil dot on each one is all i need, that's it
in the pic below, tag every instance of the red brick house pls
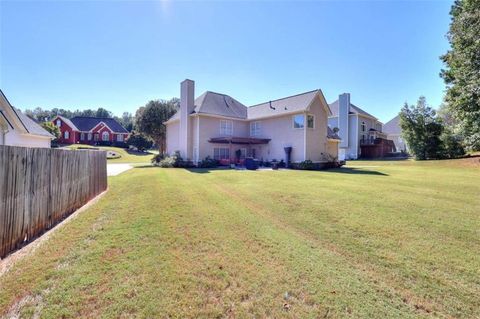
(90, 130)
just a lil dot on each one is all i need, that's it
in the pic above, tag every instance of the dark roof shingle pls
(85, 123)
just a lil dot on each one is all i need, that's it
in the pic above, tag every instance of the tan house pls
(218, 126)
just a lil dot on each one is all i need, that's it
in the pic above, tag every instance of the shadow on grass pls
(354, 171)
(138, 153)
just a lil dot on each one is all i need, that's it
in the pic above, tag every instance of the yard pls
(126, 156)
(374, 239)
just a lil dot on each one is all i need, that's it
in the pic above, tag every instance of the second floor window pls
(255, 128)
(298, 121)
(364, 127)
(59, 123)
(310, 121)
(226, 127)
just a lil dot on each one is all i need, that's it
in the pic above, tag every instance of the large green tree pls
(150, 118)
(462, 73)
(52, 129)
(422, 130)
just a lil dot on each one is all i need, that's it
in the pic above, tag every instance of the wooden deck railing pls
(40, 187)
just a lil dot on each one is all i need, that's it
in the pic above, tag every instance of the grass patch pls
(124, 155)
(397, 239)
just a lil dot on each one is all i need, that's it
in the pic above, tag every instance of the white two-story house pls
(356, 128)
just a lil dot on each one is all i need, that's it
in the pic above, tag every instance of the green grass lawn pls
(397, 239)
(126, 156)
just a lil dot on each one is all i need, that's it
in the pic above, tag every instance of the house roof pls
(28, 125)
(353, 110)
(86, 123)
(220, 104)
(393, 126)
(32, 126)
(295, 103)
(68, 122)
(224, 105)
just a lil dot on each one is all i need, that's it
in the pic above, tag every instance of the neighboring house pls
(17, 129)
(216, 125)
(394, 132)
(90, 130)
(358, 131)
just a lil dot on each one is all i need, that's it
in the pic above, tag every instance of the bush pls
(306, 165)
(140, 141)
(175, 160)
(208, 162)
(452, 147)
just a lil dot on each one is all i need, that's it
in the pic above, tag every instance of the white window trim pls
(226, 133)
(59, 122)
(89, 136)
(306, 121)
(255, 128)
(82, 136)
(225, 151)
(105, 133)
(119, 137)
(293, 122)
(66, 135)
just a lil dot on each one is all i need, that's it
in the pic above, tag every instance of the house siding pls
(316, 138)
(282, 134)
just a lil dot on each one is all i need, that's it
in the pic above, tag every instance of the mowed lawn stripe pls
(175, 243)
(313, 276)
(410, 265)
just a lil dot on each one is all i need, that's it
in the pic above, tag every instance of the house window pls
(89, 136)
(82, 136)
(66, 135)
(255, 128)
(310, 121)
(364, 127)
(59, 123)
(96, 137)
(221, 153)
(298, 121)
(119, 138)
(226, 127)
(105, 136)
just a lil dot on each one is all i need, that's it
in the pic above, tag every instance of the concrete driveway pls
(115, 169)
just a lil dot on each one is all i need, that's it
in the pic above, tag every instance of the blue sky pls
(120, 54)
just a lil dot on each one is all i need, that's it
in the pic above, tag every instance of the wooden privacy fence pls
(39, 187)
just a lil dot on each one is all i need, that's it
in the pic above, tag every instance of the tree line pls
(146, 126)
(455, 128)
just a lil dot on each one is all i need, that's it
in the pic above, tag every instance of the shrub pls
(140, 141)
(208, 162)
(175, 160)
(306, 165)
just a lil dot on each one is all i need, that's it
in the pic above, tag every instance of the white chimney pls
(187, 105)
(343, 111)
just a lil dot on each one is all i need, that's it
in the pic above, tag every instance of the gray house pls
(394, 132)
